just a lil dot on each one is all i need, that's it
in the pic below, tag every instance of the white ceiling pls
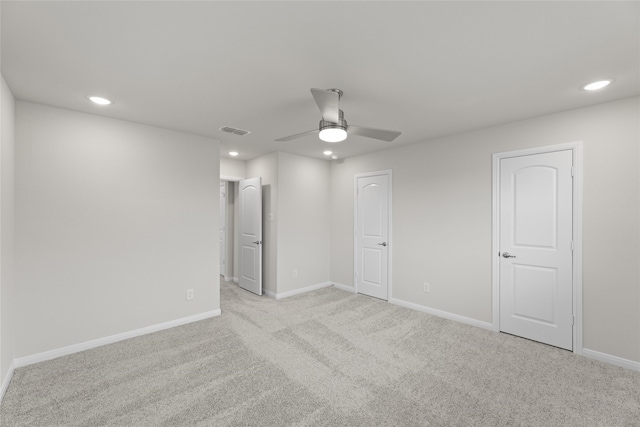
(427, 69)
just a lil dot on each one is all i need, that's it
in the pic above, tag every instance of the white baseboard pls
(613, 360)
(64, 351)
(302, 290)
(235, 280)
(269, 293)
(602, 357)
(344, 287)
(7, 380)
(443, 314)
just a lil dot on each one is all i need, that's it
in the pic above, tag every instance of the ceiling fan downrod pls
(338, 91)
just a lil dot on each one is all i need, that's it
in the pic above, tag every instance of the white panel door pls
(223, 228)
(536, 258)
(250, 262)
(372, 235)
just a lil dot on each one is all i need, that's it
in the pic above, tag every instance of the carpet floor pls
(324, 358)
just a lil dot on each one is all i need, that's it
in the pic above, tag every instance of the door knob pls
(257, 242)
(506, 255)
(383, 244)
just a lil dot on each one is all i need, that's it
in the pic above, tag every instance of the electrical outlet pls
(295, 273)
(189, 294)
(427, 287)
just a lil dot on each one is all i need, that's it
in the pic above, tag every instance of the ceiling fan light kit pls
(333, 127)
(333, 132)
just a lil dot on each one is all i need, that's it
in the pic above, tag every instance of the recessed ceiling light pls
(597, 85)
(328, 153)
(334, 157)
(100, 100)
(233, 153)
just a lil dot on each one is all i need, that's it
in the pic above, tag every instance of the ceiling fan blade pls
(384, 135)
(327, 101)
(297, 135)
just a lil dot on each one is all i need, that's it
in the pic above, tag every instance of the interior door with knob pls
(372, 234)
(250, 253)
(536, 247)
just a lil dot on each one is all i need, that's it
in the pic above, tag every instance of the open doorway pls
(241, 232)
(228, 239)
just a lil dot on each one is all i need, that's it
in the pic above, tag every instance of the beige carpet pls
(326, 358)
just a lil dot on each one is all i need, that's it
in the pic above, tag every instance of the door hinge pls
(573, 245)
(573, 319)
(572, 171)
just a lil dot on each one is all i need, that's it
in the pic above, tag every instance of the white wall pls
(295, 192)
(442, 218)
(114, 222)
(8, 301)
(303, 223)
(230, 168)
(267, 167)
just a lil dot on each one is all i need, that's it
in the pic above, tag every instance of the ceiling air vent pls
(235, 131)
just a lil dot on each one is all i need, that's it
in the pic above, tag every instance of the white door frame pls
(223, 222)
(576, 148)
(233, 237)
(389, 175)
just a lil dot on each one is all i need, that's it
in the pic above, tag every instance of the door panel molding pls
(576, 149)
(389, 246)
(250, 235)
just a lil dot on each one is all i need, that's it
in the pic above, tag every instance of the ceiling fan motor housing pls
(342, 123)
(336, 135)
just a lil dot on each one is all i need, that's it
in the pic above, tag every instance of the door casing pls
(576, 148)
(389, 175)
(223, 229)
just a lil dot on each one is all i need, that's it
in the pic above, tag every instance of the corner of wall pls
(305, 228)
(7, 194)
(4, 385)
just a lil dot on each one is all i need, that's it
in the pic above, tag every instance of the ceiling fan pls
(333, 127)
